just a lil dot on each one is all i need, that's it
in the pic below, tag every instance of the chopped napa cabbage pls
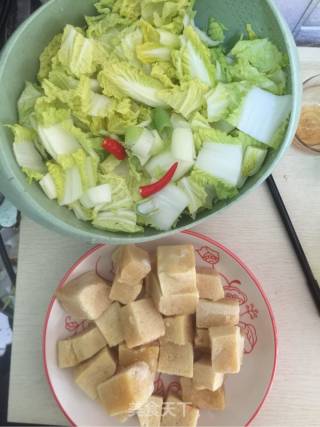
(196, 59)
(143, 143)
(216, 30)
(130, 9)
(121, 197)
(47, 55)
(165, 73)
(197, 195)
(261, 54)
(253, 160)
(73, 189)
(262, 114)
(185, 99)
(148, 53)
(48, 186)
(222, 161)
(224, 99)
(161, 120)
(170, 204)
(77, 52)
(96, 196)
(219, 189)
(57, 174)
(182, 146)
(81, 212)
(121, 220)
(26, 103)
(26, 153)
(125, 80)
(160, 164)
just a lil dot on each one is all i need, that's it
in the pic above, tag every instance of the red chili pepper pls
(149, 190)
(115, 148)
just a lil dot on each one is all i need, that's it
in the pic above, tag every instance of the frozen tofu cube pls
(176, 359)
(141, 323)
(178, 413)
(132, 264)
(226, 349)
(128, 390)
(66, 355)
(209, 284)
(179, 329)
(85, 297)
(202, 399)
(109, 324)
(148, 353)
(124, 292)
(176, 267)
(95, 371)
(220, 313)
(204, 375)
(202, 340)
(149, 415)
(171, 305)
(88, 343)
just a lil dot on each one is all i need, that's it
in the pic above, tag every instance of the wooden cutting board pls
(252, 229)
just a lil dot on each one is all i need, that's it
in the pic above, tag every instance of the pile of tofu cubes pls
(161, 314)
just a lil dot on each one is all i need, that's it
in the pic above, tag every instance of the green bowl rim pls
(49, 220)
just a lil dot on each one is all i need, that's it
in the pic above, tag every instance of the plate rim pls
(197, 235)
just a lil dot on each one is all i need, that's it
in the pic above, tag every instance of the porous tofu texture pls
(202, 340)
(148, 353)
(141, 323)
(204, 375)
(66, 355)
(223, 312)
(95, 371)
(209, 284)
(149, 415)
(176, 359)
(202, 399)
(176, 267)
(171, 305)
(226, 349)
(109, 324)
(124, 292)
(85, 297)
(132, 264)
(128, 390)
(88, 343)
(179, 329)
(177, 413)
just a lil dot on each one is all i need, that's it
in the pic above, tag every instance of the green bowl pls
(19, 62)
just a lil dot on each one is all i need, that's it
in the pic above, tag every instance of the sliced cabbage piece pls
(224, 99)
(170, 204)
(262, 114)
(182, 146)
(73, 189)
(197, 195)
(48, 186)
(161, 163)
(121, 220)
(27, 102)
(96, 196)
(143, 143)
(186, 99)
(77, 52)
(148, 53)
(57, 141)
(196, 59)
(253, 160)
(222, 161)
(81, 212)
(130, 81)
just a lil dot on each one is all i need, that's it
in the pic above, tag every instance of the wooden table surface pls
(252, 229)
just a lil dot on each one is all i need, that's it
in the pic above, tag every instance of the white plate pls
(245, 392)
